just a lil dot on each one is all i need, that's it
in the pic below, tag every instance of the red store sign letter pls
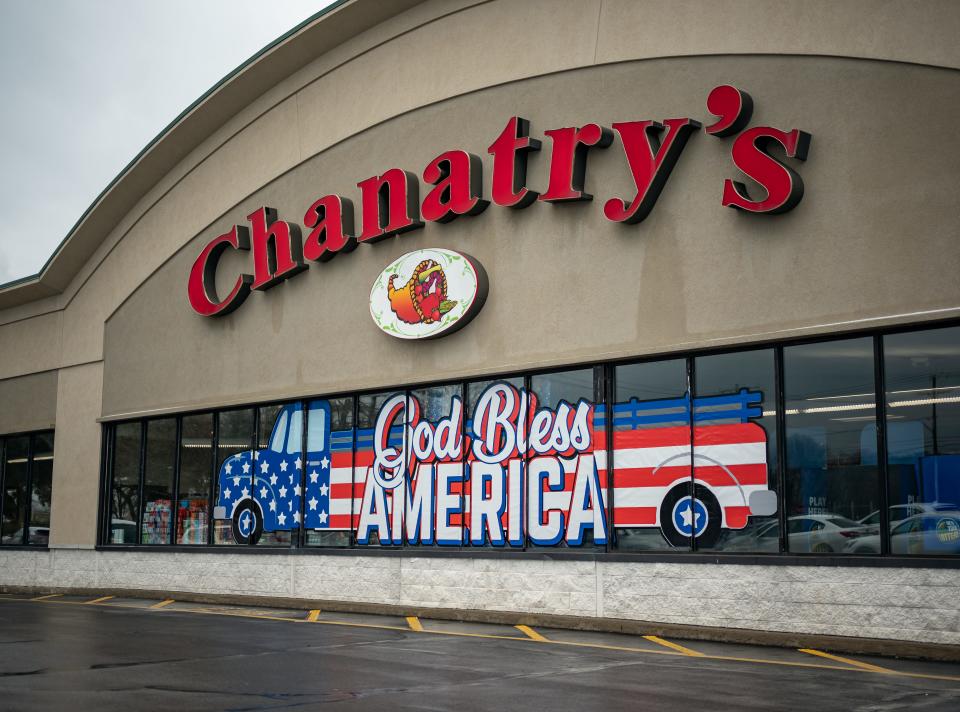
(783, 185)
(202, 286)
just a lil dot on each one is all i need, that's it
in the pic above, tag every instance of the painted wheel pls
(683, 517)
(247, 523)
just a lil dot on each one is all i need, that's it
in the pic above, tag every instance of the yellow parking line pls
(673, 646)
(845, 661)
(414, 624)
(99, 600)
(313, 615)
(678, 650)
(531, 633)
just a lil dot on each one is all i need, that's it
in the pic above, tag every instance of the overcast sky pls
(88, 83)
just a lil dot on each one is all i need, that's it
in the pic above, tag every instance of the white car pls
(899, 512)
(38, 535)
(806, 533)
(934, 531)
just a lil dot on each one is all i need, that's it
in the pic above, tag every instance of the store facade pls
(539, 307)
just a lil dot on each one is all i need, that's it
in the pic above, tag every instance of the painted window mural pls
(768, 450)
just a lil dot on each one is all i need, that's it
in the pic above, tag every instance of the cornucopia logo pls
(423, 299)
(427, 293)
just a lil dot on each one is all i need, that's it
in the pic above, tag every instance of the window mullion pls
(881, 435)
(781, 435)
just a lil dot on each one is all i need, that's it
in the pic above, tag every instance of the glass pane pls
(42, 481)
(234, 472)
(277, 466)
(502, 484)
(566, 502)
(923, 441)
(196, 464)
(374, 523)
(651, 455)
(158, 481)
(832, 476)
(329, 487)
(431, 500)
(125, 484)
(735, 457)
(15, 489)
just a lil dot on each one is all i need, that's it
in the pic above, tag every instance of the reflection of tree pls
(341, 413)
(125, 502)
(11, 511)
(14, 496)
(43, 482)
(368, 407)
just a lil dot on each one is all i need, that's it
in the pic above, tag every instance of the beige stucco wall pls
(875, 83)
(28, 402)
(872, 241)
(76, 464)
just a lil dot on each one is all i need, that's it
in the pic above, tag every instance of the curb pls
(941, 652)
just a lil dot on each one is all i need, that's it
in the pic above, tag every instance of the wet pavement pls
(103, 653)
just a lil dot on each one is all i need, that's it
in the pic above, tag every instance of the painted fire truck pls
(687, 480)
(260, 490)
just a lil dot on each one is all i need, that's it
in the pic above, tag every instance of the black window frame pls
(31, 436)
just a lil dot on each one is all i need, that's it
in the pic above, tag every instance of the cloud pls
(77, 111)
(5, 274)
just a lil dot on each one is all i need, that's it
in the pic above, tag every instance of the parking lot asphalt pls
(109, 653)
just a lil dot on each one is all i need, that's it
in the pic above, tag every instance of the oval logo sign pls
(427, 293)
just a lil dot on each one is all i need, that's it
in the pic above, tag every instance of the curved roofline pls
(359, 22)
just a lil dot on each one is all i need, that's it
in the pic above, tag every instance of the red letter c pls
(202, 287)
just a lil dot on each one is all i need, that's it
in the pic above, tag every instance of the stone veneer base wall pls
(907, 604)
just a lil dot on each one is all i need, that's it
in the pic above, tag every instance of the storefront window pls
(158, 481)
(196, 467)
(508, 529)
(374, 501)
(735, 452)
(652, 456)
(234, 475)
(922, 371)
(573, 485)
(41, 482)
(16, 471)
(436, 494)
(277, 464)
(125, 484)
(832, 474)
(329, 490)
(701, 448)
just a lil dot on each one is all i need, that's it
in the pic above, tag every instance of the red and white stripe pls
(646, 465)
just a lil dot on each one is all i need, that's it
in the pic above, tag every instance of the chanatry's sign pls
(427, 293)
(390, 203)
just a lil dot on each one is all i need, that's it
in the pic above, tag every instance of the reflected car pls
(39, 536)
(764, 537)
(899, 512)
(637, 539)
(935, 532)
(123, 531)
(817, 533)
